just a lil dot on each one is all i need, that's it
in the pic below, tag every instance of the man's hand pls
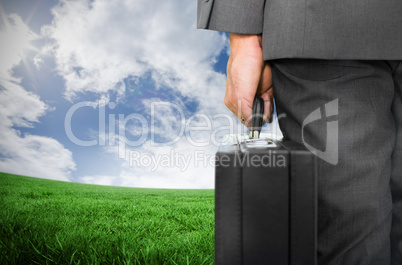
(248, 75)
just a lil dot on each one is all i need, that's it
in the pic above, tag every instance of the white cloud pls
(30, 155)
(97, 44)
(16, 37)
(33, 155)
(176, 166)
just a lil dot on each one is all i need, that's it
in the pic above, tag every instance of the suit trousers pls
(349, 113)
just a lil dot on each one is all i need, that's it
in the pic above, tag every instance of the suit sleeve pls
(234, 16)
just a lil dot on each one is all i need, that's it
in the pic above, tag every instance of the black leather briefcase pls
(265, 203)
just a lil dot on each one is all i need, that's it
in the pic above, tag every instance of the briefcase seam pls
(217, 222)
(292, 218)
(239, 173)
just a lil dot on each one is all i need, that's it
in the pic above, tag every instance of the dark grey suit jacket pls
(323, 29)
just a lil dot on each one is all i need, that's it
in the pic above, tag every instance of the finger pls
(246, 110)
(265, 91)
(265, 80)
(268, 106)
(267, 110)
(242, 109)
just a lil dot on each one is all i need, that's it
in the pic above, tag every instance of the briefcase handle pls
(257, 117)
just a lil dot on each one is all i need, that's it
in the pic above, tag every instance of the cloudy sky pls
(122, 92)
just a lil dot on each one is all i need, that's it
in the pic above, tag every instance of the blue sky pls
(145, 84)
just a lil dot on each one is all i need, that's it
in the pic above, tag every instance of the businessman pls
(312, 54)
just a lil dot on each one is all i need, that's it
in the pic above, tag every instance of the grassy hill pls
(53, 222)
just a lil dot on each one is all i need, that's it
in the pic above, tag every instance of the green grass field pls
(54, 222)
